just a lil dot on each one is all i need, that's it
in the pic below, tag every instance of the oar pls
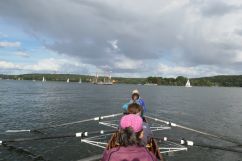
(79, 134)
(64, 124)
(25, 152)
(188, 143)
(224, 138)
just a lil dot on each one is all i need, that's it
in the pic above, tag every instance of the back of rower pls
(130, 142)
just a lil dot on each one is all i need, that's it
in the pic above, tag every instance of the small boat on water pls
(43, 79)
(188, 84)
(68, 80)
(150, 84)
(80, 81)
(104, 83)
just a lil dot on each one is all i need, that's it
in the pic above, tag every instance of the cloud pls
(238, 58)
(174, 71)
(9, 44)
(50, 65)
(217, 7)
(22, 54)
(2, 35)
(238, 31)
(45, 65)
(8, 65)
(125, 63)
(114, 44)
(131, 36)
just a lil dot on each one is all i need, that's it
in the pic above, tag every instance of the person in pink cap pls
(130, 143)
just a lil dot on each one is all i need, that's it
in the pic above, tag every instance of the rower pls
(130, 145)
(135, 98)
(135, 108)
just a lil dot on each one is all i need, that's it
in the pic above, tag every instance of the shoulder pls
(107, 153)
(141, 100)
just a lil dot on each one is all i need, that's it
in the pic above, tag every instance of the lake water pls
(29, 105)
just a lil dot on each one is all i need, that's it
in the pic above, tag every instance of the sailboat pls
(107, 80)
(80, 81)
(43, 80)
(68, 80)
(188, 84)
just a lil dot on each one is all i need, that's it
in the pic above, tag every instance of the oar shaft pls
(65, 124)
(79, 134)
(218, 148)
(16, 131)
(187, 143)
(197, 131)
(231, 140)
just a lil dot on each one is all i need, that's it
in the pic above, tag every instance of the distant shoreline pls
(219, 81)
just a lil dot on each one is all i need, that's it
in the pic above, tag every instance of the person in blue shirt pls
(135, 98)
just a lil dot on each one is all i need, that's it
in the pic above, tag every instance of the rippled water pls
(28, 105)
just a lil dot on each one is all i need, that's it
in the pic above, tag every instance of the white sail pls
(68, 80)
(43, 80)
(188, 84)
(80, 81)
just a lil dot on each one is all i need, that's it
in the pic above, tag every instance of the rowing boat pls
(159, 144)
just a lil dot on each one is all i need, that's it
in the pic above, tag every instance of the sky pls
(128, 38)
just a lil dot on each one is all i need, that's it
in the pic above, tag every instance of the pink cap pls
(133, 121)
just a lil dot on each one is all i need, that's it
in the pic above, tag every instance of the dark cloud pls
(217, 8)
(238, 31)
(145, 30)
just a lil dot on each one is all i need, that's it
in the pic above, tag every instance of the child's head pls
(131, 130)
(134, 108)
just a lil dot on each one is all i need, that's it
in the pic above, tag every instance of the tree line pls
(222, 80)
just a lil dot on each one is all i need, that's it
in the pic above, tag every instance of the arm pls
(142, 103)
(125, 106)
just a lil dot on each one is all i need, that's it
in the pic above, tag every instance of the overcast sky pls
(134, 38)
